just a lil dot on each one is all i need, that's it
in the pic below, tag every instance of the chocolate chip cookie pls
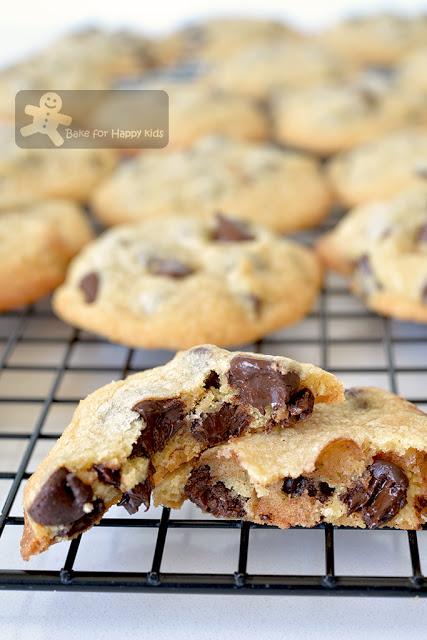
(196, 110)
(128, 436)
(380, 168)
(86, 59)
(216, 39)
(259, 70)
(283, 190)
(330, 117)
(383, 247)
(376, 39)
(36, 244)
(358, 463)
(178, 281)
(27, 175)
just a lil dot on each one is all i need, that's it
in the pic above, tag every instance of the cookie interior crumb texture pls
(129, 436)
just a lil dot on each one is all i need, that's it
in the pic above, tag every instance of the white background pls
(25, 26)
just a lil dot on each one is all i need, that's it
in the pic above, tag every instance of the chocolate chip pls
(301, 405)
(380, 495)
(169, 267)
(213, 428)
(424, 294)
(295, 487)
(108, 475)
(261, 385)
(140, 494)
(255, 303)
(213, 497)
(381, 70)
(421, 172)
(357, 396)
(230, 230)
(212, 380)
(61, 499)
(369, 97)
(364, 265)
(89, 284)
(421, 235)
(163, 419)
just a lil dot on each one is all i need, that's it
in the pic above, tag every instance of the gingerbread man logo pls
(46, 118)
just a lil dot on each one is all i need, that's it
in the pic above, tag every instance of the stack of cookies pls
(270, 131)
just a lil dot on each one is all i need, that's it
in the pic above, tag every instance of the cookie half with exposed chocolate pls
(174, 282)
(359, 463)
(128, 436)
(382, 246)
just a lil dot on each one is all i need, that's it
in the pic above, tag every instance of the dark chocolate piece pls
(140, 494)
(212, 380)
(170, 267)
(380, 496)
(261, 385)
(295, 487)
(213, 428)
(231, 230)
(163, 419)
(107, 475)
(89, 284)
(213, 497)
(61, 499)
(422, 234)
(301, 405)
(86, 521)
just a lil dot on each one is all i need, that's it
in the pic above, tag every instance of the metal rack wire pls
(239, 581)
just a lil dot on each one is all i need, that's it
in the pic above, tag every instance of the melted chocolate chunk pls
(301, 405)
(61, 499)
(213, 428)
(86, 521)
(140, 494)
(380, 496)
(424, 294)
(163, 419)
(260, 385)
(169, 267)
(107, 475)
(212, 380)
(295, 487)
(230, 230)
(89, 284)
(213, 497)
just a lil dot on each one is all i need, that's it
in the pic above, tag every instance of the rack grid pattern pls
(240, 581)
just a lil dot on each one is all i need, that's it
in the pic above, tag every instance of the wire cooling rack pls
(46, 367)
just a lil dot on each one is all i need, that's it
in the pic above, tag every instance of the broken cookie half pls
(359, 463)
(131, 436)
